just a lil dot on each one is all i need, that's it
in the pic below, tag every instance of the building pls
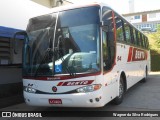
(131, 6)
(145, 21)
(52, 3)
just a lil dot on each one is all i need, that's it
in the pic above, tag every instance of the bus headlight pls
(89, 88)
(30, 90)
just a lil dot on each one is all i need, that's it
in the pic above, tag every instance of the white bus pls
(82, 56)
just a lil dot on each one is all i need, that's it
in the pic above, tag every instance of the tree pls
(156, 36)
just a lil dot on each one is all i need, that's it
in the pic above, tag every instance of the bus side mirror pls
(18, 35)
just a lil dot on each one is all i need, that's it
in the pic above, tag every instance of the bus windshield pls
(72, 35)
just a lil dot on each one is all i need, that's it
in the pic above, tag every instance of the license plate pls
(55, 101)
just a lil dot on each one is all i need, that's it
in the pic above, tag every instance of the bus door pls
(108, 44)
(108, 41)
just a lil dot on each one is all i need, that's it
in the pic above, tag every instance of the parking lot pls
(141, 97)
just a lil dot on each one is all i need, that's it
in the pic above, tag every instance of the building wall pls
(46, 3)
(153, 17)
(144, 20)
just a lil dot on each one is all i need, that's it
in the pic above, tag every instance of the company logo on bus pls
(54, 89)
(136, 54)
(73, 83)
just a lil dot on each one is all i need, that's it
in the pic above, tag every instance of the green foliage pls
(155, 66)
(154, 43)
(156, 36)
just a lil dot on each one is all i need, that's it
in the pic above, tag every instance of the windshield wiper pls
(58, 51)
(49, 52)
(69, 69)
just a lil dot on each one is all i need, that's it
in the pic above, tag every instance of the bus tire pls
(118, 100)
(146, 75)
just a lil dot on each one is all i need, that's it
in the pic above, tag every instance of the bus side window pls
(140, 39)
(132, 35)
(106, 61)
(119, 29)
(144, 43)
(127, 33)
(137, 38)
(147, 43)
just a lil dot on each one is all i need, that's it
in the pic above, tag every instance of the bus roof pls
(73, 6)
(80, 5)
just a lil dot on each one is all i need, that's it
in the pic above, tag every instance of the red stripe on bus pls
(60, 83)
(130, 54)
(139, 55)
(74, 83)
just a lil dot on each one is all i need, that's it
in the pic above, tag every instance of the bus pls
(82, 55)
(10, 65)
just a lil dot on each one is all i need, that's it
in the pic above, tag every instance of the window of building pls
(137, 17)
(152, 15)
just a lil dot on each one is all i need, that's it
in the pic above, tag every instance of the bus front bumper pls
(91, 99)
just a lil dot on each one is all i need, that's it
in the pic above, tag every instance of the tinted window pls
(137, 38)
(81, 16)
(144, 42)
(140, 39)
(119, 29)
(132, 35)
(108, 39)
(127, 33)
(42, 22)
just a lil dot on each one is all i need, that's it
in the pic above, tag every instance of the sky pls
(122, 6)
(16, 13)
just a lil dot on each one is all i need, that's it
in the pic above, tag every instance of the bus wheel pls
(146, 75)
(118, 100)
